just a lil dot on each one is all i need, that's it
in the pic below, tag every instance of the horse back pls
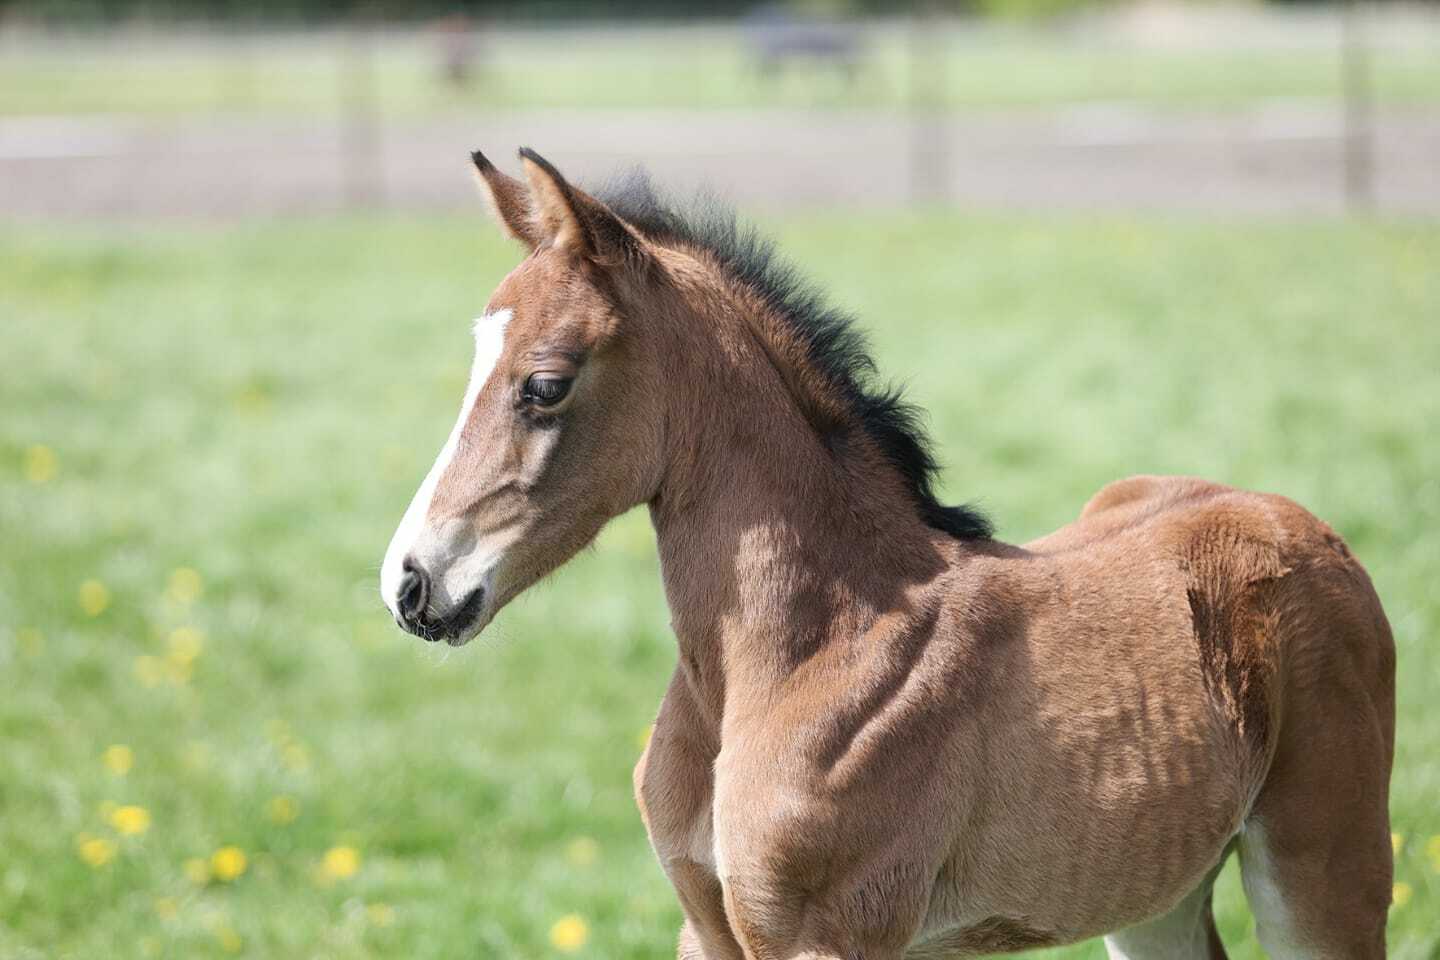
(1276, 602)
(1141, 669)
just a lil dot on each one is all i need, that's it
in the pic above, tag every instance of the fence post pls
(239, 87)
(1358, 151)
(360, 173)
(929, 162)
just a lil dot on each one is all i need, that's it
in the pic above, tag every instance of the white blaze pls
(489, 343)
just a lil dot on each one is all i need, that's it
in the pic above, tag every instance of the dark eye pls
(545, 391)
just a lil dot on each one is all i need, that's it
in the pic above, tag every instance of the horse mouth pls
(457, 627)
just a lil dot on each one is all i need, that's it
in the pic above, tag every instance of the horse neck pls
(775, 545)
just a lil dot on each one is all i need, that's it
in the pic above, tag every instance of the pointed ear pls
(509, 200)
(572, 220)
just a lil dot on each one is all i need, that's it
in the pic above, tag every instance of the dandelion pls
(1401, 894)
(94, 597)
(184, 586)
(130, 820)
(166, 908)
(582, 852)
(149, 670)
(185, 644)
(642, 739)
(340, 863)
(253, 399)
(228, 939)
(197, 871)
(569, 933)
(380, 914)
(31, 641)
(41, 464)
(295, 757)
(118, 759)
(1397, 840)
(282, 809)
(227, 863)
(196, 755)
(95, 851)
(178, 672)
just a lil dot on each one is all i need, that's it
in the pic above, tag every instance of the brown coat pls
(889, 735)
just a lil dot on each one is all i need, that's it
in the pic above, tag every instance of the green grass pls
(1001, 68)
(258, 404)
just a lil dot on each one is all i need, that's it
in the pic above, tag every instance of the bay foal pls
(888, 734)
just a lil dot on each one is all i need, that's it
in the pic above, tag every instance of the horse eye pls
(545, 391)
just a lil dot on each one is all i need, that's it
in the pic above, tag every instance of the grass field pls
(214, 742)
(1002, 68)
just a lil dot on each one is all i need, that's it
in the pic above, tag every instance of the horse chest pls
(698, 818)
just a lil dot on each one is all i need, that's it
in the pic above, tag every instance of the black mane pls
(837, 349)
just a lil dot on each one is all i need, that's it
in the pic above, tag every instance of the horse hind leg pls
(1316, 862)
(1186, 932)
(1315, 854)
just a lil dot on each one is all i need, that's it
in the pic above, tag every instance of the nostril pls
(413, 592)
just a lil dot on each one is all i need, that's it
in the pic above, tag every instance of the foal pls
(890, 735)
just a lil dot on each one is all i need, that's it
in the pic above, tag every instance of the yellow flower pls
(296, 757)
(229, 940)
(340, 862)
(282, 809)
(582, 851)
(253, 399)
(31, 641)
(118, 759)
(1401, 894)
(96, 851)
(166, 908)
(185, 644)
(1397, 840)
(94, 598)
(178, 672)
(642, 739)
(380, 914)
(197, 871)
(569, 933)
(149, 670)
(185, 586)
(1432, 850)
(130, 819)
(40, 464)
(196, 755)
(227, 863)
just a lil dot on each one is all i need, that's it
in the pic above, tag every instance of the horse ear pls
(509, 200)
(572, 220)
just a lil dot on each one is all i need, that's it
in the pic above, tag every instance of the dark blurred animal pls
(778, 37)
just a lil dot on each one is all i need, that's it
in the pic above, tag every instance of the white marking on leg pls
(1274, 921)
(489, 344)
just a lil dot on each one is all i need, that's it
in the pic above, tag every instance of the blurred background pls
(239, 247)
(120, 109)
